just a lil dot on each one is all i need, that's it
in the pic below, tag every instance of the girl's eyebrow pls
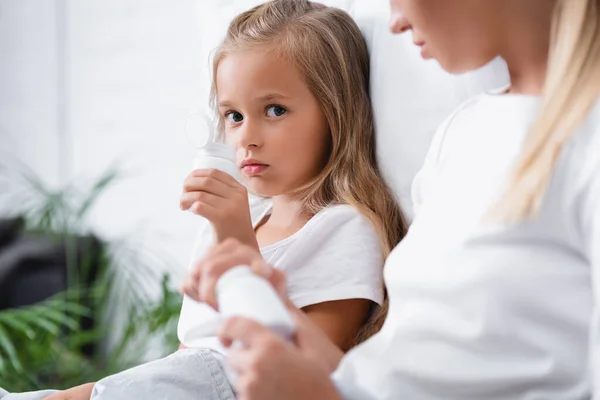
(272, 96)
(263, 98)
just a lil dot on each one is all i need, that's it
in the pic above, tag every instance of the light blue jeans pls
(189, 374)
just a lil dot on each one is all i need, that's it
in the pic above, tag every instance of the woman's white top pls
(482, 310)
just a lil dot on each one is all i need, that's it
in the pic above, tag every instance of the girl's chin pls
(264, 188)
(260, 189)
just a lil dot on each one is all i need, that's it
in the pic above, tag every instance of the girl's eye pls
(234, 117)
(275, 111)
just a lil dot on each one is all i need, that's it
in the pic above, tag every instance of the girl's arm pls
(340, 320)
(81, 392)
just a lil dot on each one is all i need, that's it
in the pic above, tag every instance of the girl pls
(291, 93)
(493, 292)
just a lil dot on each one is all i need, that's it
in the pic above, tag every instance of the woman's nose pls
(398, 22)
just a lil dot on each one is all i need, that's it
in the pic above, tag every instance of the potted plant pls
(61, 340)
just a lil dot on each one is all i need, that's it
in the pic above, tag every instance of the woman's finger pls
(222, 257)
(245, 331)
(274, 276)
(216, 258)
(278, 280)
(216, 266)
(212, 270)
(207, 286)
(190, 287)
(239, 358)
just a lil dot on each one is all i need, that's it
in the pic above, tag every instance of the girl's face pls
(459, 34)
(276, 125)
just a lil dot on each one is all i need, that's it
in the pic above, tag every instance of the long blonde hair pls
(326, 46)
(572, 88)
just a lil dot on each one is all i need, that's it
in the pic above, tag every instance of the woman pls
(492, 292)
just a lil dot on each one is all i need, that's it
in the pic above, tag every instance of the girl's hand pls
(218, 197)
(268, 367)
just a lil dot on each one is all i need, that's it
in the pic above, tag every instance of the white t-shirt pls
(485, 310)
(336, 255)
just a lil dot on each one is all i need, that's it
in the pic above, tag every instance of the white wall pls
(84, 84)
(28, 86)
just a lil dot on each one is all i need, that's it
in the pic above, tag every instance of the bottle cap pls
(200, 128)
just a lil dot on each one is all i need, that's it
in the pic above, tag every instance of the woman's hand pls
(268, 367)
(82, 392)
(221, 199)
(202, 279)
(200, 285)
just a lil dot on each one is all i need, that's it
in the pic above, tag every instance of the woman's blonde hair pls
(572, 88)
(326, 46)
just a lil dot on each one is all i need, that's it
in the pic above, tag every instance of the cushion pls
(411, 97)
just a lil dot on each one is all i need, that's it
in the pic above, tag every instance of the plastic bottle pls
(217, 156)
(240, 292)
(211, 153)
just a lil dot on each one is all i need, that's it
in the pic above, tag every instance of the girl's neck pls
(287, 217)
(526, 48)
(287, 212)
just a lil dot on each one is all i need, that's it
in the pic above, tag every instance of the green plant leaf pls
(107, 178)
(47, 335)
(2, 367)
(39, 319)
(32, 179)
(81, 337)
(17, 324)
(61, 318)
(75, 308)
(8, 348)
